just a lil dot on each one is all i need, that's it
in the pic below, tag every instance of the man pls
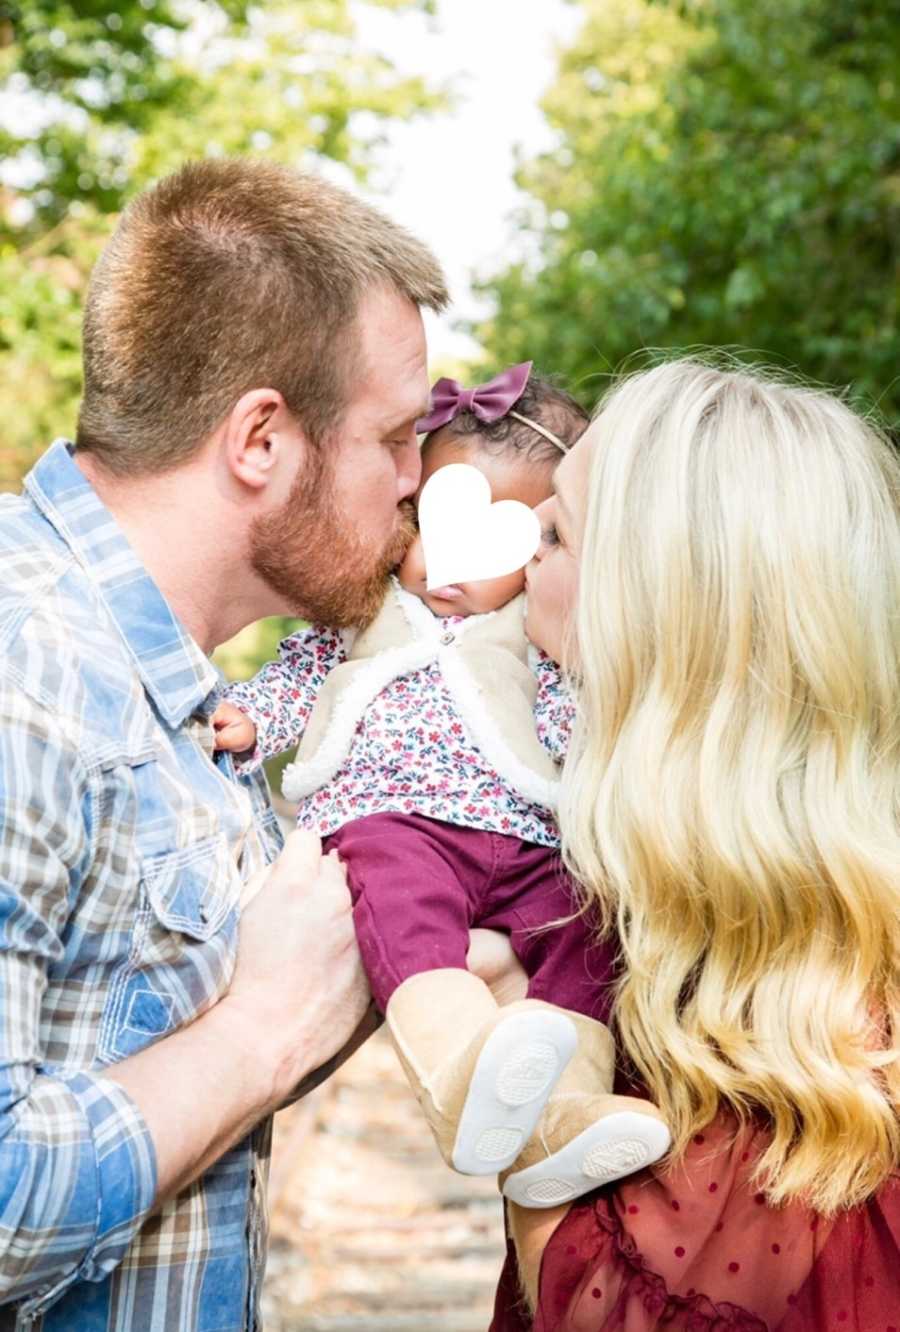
(254, 366)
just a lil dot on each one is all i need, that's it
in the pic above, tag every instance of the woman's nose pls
(541, 549)
(544, 512)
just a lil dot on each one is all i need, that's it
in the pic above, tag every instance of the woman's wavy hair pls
(732, 794)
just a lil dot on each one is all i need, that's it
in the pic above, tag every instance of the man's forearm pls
(202, 1089)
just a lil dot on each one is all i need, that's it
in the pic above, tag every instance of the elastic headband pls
(487, 402)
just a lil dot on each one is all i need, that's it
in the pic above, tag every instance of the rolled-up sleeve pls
(77, 1166)
(77, 1178)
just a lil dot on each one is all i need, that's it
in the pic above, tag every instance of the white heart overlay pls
(466, 538)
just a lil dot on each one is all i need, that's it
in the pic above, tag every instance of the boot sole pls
(615, 1146)
(517, 1069)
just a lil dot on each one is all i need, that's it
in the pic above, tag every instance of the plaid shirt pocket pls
(184, 934)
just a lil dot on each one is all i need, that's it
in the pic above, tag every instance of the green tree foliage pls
(98, 100)
(727, 172)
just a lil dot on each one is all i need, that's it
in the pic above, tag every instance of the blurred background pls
(600, 178)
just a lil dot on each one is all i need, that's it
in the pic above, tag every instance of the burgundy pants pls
(419, 886)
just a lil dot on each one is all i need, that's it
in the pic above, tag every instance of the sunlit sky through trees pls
(449, 177)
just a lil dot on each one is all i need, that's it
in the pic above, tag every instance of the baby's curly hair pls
(544, 402)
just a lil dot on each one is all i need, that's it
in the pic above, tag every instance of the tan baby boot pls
(481, 1073)
(586, 1136)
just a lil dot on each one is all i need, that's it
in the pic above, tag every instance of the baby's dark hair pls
(542, 402)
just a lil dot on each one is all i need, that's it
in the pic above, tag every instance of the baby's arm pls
(554, 707)
(234, 730)
(276, 704)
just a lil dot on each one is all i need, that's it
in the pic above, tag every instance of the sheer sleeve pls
(696, 1248)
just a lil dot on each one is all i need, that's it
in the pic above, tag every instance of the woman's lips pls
(449, 593)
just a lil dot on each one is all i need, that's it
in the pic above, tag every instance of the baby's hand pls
(233, 730)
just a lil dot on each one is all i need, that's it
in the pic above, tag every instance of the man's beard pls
(308, 554)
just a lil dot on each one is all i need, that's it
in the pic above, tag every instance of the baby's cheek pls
(412, 570)
(492, 593)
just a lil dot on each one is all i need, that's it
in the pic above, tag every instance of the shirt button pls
(447, 638)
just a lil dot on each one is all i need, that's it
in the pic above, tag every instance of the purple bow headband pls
(488, 402)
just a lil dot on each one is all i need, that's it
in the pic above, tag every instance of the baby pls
(429, 745)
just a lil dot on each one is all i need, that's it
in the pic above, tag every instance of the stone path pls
(370, 1230)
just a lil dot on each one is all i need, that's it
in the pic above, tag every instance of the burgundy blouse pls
(695, 1249)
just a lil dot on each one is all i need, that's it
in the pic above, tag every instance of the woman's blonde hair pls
(732, 793)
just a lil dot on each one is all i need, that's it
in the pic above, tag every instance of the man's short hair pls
(227, 276)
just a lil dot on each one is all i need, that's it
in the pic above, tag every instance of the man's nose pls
(409, 470)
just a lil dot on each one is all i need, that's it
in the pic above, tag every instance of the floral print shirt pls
(412, 752)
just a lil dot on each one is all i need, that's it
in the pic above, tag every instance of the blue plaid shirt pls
(124, 845)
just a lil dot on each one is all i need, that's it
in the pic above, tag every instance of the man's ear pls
(253, 438)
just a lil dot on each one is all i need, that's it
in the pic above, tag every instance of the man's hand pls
(297, 995)
(233, 729)
(298, 984)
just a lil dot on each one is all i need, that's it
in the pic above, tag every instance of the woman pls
(722, 574)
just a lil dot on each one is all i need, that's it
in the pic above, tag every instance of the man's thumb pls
(300, 860)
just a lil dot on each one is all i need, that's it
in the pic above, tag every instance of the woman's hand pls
(491, 958)
(530, 1229)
